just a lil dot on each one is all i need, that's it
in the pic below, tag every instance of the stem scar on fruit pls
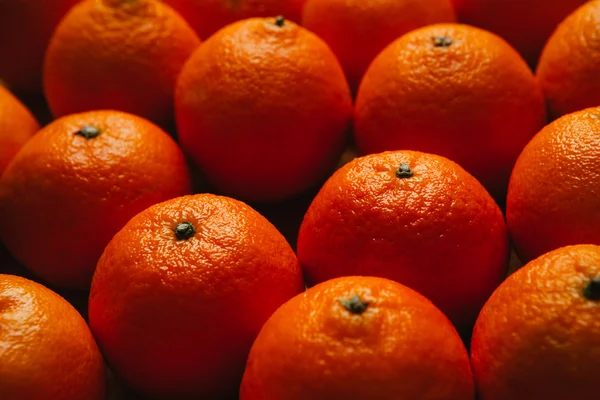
(279, 20)
(184, 230)
(404, 171)
(354, 304)
(441, 41)
(88, 132)
(591, 291)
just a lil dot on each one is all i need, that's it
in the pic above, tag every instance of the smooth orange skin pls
(46, 348)
(438, 232)
(17, 125)
(208, 16)
(357, 31)
(538, 337)
(554, 192)
(475, 102)
(176, 319)
(525, 24)
(25, 30)
(401, 347)
(117, 54)
(63, 197)
(569, 65)
(263, 110)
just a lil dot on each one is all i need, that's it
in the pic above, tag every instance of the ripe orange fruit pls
(117, 54)
(208, 16)
(452, 90)
(360, 338)
(416, 218)
(263, 108)
(554, 192)
(357, 31)
(76, 183)
(570, 62)
(441, 87)
(538, 336)
(46, 349)
(182, 290)
(17, 125)
(525, 24)
(25, 30)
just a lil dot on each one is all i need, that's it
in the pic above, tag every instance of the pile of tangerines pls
(300, 199)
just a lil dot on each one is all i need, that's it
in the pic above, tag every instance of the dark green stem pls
(592, 290)
(441, 41)
(404, 171)
(184, 230)
(279, 21)
(354, 304)
(88, 132)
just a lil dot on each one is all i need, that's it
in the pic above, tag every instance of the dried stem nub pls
(279, 21)
(592, 290)
(404, 171)
(441, 41)
(88, 131)
(184, 230)
(354, 304)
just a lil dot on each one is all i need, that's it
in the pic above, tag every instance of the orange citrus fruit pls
(263, 108)
(17, 125)
(554, 191)
(46, 348)
(416, 218)
(538, 336)
(570, 62)
(357, 31)
(76, 183)
(359, 338)
(182, 290)
(117, 54)
(453, 90)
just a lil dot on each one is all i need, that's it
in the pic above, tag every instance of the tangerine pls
(182, 290)
(570, 62)
(416, 218)
(554, 191)
(453, 90)
(17, 126)
(117, 54)
(357, 31)
(75, 183)
(538, 335)
(46, 348)
(264, 109)
(360, 338)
